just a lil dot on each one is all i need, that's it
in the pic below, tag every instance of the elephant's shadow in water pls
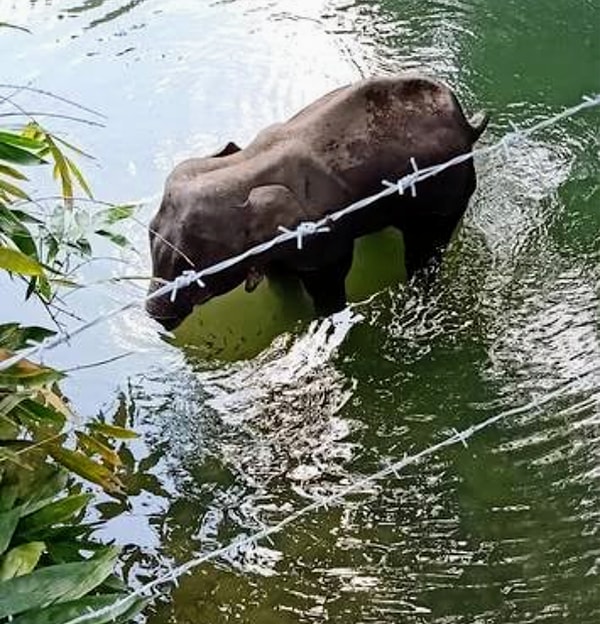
(239, 325)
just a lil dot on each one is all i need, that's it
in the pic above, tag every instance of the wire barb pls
(187, 278)
(460, 435)
(306, 228)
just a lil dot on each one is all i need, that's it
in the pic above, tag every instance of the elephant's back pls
(375, 104)
(371, 130)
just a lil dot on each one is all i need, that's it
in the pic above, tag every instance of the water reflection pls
(425, 36)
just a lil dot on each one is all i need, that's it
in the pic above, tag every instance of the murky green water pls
(503, 531)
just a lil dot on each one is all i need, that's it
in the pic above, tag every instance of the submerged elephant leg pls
(327, 284)
(425, 241)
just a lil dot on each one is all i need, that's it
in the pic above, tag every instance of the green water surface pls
(504, 530)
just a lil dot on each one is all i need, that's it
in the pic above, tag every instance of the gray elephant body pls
(332, 153)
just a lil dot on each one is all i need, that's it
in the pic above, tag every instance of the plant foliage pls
(40, 247)
(51, 569)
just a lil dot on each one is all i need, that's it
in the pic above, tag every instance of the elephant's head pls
(194, 230)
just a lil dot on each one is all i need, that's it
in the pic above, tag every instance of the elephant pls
(332, 153)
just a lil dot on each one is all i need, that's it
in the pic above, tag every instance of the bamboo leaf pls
(93, 445)
(82, 245)
(58, 614)
(55, 584)
(54, 513)
(11, 189)
(53, 400)
(112, 431)
(47, 487)
(79, 177)
(15, 27)
(33, 412)
(117, 239)
(25, 217)
(18, 155)
(118, 213)
(13, 457)
(98, 569)
(21, 560)
(8, 524)
(12, 172)
(11, 224)
(20, 140)
(14, 336)
(10, 401)
(17, 262)
(61, 168)
(33, 131)
(87, 468)
(26, 373)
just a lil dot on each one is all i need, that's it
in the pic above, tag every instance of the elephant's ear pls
(269, 207)
(230, 148)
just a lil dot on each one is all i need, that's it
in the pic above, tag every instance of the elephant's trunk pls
(169, 313)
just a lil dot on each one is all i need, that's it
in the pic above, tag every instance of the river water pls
(503, 530)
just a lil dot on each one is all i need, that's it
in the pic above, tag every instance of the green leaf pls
(92, 446)
(8, 455)
(25, 217)
(11, 172)
(66, 532)
(112, 431)
(55, 584)
(118, 213)
(79, 177)
(17, 262)
(61, 169)
(49, 481)
(41, 286)
(21, 560)
(98, 568)
(127, 608)
(87, 468)
(10, 189)
(11, 225)
(26, 373)
(18, 155)
(19, 140)
(10, 401)
(30, 409)
(56, 512)
(117, 239)
(8, 524)
(47, 487)
(66, 283)
(14, 336)
(8, 431)
(82, 245)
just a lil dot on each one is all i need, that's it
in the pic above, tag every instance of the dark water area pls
(503, 530)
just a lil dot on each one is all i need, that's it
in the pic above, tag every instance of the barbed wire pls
(152, 589)
(307, 228)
